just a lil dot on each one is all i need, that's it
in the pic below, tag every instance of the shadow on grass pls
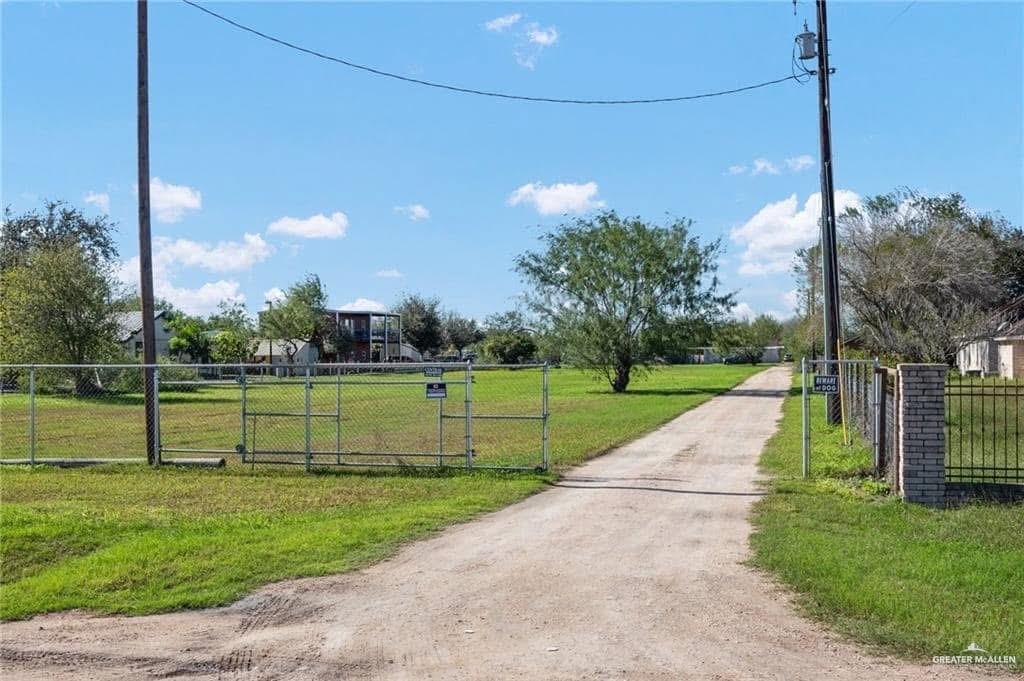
(662, 392)
(566, 483)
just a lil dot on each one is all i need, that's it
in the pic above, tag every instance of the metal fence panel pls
(72, 413)
(983, 421)
(316, 415)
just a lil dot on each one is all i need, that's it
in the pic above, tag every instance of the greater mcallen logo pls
(974, 654)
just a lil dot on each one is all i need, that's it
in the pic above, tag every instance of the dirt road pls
(629, 568)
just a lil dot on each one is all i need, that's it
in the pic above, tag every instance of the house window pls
(138, 348)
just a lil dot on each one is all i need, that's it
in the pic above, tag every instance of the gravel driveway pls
(629, 567)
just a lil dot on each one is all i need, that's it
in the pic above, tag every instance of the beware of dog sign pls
(828, 384)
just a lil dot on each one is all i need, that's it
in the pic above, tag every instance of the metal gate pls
(861, 385)
(407, 415)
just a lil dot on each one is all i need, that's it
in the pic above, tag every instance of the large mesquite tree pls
(604, 285)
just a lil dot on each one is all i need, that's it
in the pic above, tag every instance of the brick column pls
(922, 433)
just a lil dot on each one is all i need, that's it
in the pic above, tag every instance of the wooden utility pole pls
(145, 246)
(829, 257)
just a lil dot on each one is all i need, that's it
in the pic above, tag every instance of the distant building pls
(275, 351)
(1000, 352)
(376, 337)
(129, 326)
(706, 354)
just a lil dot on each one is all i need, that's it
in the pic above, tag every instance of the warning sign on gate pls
(437, 391)
(826, 384)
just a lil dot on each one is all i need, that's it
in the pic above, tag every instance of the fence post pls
(469, 414)
(309, 435)
(157, 445)
(440, 432)
(244, 405)
(32, 415)
(337, 414)
(881, 379)
(545, 456)
(805, 459)
(922, 434)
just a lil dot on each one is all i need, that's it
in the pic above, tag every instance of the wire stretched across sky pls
(483, 93)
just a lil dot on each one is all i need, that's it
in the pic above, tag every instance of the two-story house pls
(376, 336)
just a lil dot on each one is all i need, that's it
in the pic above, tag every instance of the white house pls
(273, 351)
(129, 326)
(999, 353)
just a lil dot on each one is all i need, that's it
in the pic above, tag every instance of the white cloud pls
(742, 311)
(274, 294)
(364, 304)
(763, 166)
(530, 41)
(202, 300)
(318, 226)
(414, 211)
(390, 274)
(745, 312)
(170, 202)
(225, 256)
(499, 24)
(773, 234)
(99, 199)
(545, 37)
(799, 163)
(169, 255)
(562, 197)
(792, 300)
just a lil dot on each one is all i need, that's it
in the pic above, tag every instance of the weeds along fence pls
(865, 400)
(436, 415)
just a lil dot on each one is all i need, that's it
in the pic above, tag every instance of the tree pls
(59, 225)
(459, 332)
(919, 274)
(747, 339)
(133, 303)
(233, 332)
(603, 283)
(189, 337)
(421, 322)
(55, 308)
(508, 347)
(508, 339)
(300, 316)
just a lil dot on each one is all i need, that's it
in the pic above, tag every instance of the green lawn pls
(915, 581)
(133, 540)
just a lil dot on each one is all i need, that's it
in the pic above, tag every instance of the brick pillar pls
(922, 433)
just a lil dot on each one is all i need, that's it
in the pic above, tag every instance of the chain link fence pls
(456, 414)
(865, 400)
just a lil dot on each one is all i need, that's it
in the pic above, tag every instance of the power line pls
(473, 91)
(901, 13)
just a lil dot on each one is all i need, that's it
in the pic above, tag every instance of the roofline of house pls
(366, 312)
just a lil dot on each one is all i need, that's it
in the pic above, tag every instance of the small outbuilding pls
(1000, 352)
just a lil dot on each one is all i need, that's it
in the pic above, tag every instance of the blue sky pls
(272, 163)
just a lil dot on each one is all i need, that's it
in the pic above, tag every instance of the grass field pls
(133, 540)
(915, 581)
